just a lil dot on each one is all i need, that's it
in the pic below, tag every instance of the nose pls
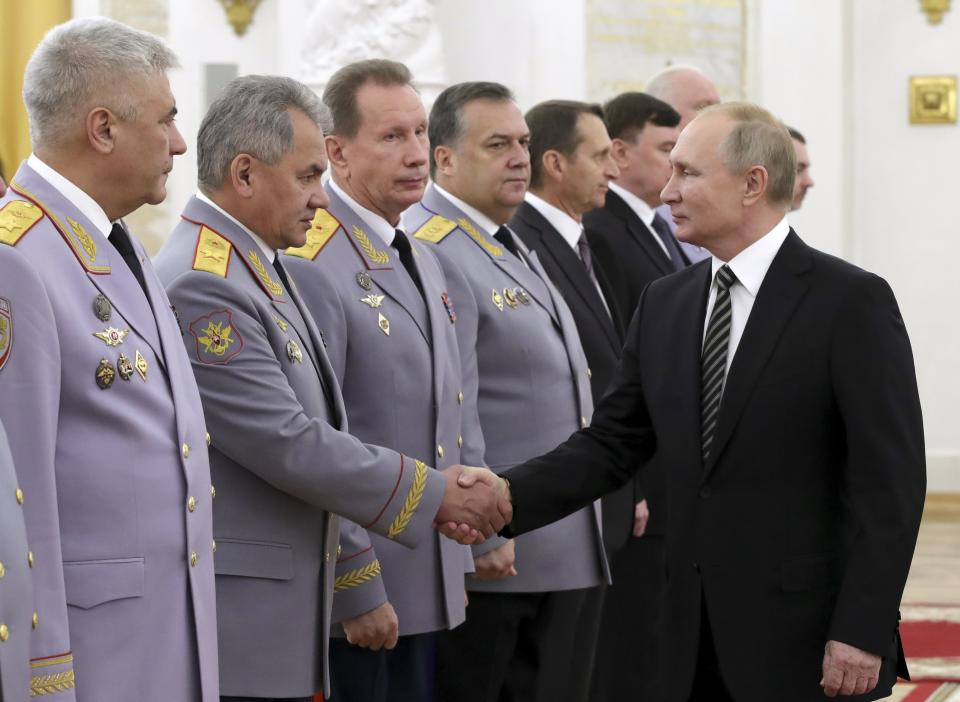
(318, 199)
(612, 170)
(670, 194)
(519, 156)
(177, 144)
(417, 152)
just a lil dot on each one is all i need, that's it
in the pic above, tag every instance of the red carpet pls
(931, 692)
(931, 640)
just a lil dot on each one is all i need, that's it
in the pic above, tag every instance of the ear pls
(554, 165)
(101, 130)
(445, 158)
(242, 174)
(336, 151)
(618, 149)
(754, 185)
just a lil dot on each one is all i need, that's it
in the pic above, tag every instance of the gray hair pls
(660, 84)
(86, 63)
(251, 117)
(446, 117)
(758, 139)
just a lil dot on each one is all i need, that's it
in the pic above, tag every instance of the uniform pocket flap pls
(808, 572)
(91, 583)
(253, 559)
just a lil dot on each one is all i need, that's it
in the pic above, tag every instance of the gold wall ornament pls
(240, 13)
(934, 9)
(933, 99)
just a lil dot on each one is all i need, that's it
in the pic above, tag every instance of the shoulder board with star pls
(17, 217)
(435, 229)
(325, 225)
(213, 252)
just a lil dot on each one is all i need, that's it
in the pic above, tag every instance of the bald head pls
(685, 89)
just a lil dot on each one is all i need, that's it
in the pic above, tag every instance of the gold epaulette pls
(324, 227)
(16, 219)
(435, 229)
(213, 253)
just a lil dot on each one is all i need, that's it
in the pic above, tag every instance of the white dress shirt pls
(378, 224)
(643, 211)
(750, 266)
(269, 253)
(83, 202)
(487, 224)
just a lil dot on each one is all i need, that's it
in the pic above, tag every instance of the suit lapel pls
(640, 233)
(571, 265)
(781, 291)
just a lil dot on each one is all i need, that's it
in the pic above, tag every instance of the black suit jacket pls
(625, 247)
(601, 335)
(801, 526)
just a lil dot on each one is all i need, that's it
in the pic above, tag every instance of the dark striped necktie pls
(713, 360)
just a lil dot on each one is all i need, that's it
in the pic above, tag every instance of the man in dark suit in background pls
(571, 167)
(778, 384)
(635, 246)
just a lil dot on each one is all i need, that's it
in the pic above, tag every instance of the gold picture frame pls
(933, 100)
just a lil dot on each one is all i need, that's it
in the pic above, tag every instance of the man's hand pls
(848, 670)
(641, 515)
(475, 505)
(496, 564)
(376, 629)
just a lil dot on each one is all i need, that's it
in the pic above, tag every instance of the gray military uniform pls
(282, 461)
(395, 353)
(16, 596)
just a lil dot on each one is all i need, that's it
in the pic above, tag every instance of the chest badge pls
(497, 299)
(293, 352)
(364, 281)
(105, 374)
(112, 336)
(523, 296)
(448, 304)
(124, 367)
(510, 297)
(140, 363)
(102, 308)
(383, 323)
(373, 300)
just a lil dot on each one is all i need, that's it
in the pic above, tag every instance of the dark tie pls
(503, 236)
(662, 229)
(121, 242)
(402, 244)
(282, 274)
(583, 248)
(713, 361)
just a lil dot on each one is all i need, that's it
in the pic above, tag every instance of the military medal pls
(105, 374)
(364, 281)
(511, 298)
(497, 299)
(383, 323)
(124, 367)
(293, 352)
(140, 363)
(373, 300)
(448, 303)
(102, 308)
(280, 323)
(522, 296)
(112, 336)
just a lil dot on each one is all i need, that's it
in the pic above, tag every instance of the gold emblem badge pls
(102, 308)
(112, 336)
(497, 299)
(510, 298)
(124, 367)
(373, 253)
(141, 365)
(373, 300)
(383, 323)
(522, 296)
(105, 374)
(216, 338)
(280, 323)
(293, 352)
(363, 280)
(85, 240)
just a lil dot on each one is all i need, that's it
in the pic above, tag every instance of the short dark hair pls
(553, 127)
(796, 135)
(340, 95)
(628, 113)
(446, 116)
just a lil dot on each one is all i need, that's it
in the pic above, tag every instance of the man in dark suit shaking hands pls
(778, 384)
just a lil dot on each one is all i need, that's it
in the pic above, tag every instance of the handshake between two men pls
(476, 505)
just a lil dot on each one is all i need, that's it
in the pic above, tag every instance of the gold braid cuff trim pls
(411, 503)
(357, 577)
(46, 662)
(491, 249)
(48, 684)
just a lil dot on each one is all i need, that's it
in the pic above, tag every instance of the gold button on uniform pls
(192, 503)
(207, 437)
(186, 451)
(30, 558)
(583, 421)
(213, 492)
(35, 622)
(589, 374)
(214, 545)
(339, 551)
(3, 569)
(460, 397)
(459, 442)
(4, 632)
(19, 494)
(326, 557)
(193, 559)
(440, 451)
